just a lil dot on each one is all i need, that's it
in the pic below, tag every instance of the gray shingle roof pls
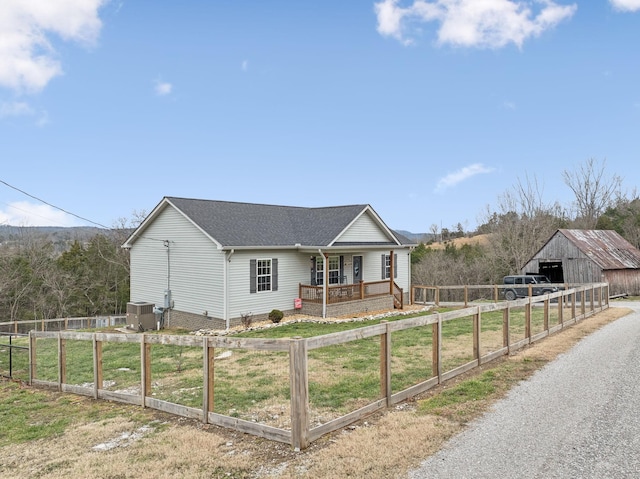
(247, 224)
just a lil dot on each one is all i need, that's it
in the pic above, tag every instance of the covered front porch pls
(337, 284)
(342, 299)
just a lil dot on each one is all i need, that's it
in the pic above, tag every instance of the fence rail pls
(419, 347)
(465, 294)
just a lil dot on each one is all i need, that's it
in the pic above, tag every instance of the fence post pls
(437, 295)
(466, 295)
(546, 315)
(385, 362)
(145, 369)
(97, 366)
(62, 361)
(476, 335)
(436, 342)
(573, 304)
(207, 398)
(299, 383)
(527, 320)
(506, 325)
(32, 357)
(561, 308)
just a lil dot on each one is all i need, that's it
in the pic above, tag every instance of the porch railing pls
(339, 293)
(398, 296)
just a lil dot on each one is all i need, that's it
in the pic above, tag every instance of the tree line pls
(89, 278)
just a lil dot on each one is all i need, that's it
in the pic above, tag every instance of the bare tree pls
(433, 229)
(594, 191)
(523, 222)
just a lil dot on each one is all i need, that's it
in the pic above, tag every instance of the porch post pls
(391, 270)
(325, 284)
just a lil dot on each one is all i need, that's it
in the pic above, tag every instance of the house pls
(586, 256)
(209, 263)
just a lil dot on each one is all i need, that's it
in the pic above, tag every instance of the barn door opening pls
(552, 270)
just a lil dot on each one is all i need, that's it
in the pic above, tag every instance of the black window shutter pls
(313, 271)
(384, 266)
(274, 274)
(253, 276)
(341, 269)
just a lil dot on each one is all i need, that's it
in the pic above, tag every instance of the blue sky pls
(427, 110)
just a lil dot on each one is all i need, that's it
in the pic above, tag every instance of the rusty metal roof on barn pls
(606, 248)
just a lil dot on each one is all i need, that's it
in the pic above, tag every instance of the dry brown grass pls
(384, 446)
(481, 240)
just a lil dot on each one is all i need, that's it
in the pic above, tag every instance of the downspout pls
(324, 283)
(409, 275)
(225, 288)
(167, 305)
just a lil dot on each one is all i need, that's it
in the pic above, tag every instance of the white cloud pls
(508, 105)
(27, 58)
(245, 65)
(163, 88)
(452, 179)
(472, 23)
(23, 213)
(626, 5)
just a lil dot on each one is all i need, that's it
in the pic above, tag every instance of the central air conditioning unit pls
(141, 316)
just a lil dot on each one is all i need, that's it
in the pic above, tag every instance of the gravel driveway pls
(579, 417)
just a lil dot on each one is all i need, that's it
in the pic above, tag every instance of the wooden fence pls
(465, 294)
(62, 324)
(572, 305)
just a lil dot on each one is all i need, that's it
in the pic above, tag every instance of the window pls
(263, 275)
(386, 266)
(334, 270)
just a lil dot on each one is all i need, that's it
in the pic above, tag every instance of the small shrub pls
(246, 319)
(275, 316)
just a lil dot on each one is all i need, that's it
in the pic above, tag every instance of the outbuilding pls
(589, 256)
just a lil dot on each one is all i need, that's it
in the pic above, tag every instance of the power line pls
(53, 206)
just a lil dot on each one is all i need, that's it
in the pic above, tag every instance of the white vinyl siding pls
(293, 269)
(364, 229)
(196, 266)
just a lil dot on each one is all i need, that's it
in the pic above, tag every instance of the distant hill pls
(416, 236)
(62, 237)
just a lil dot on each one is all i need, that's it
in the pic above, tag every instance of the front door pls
(357, 269)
